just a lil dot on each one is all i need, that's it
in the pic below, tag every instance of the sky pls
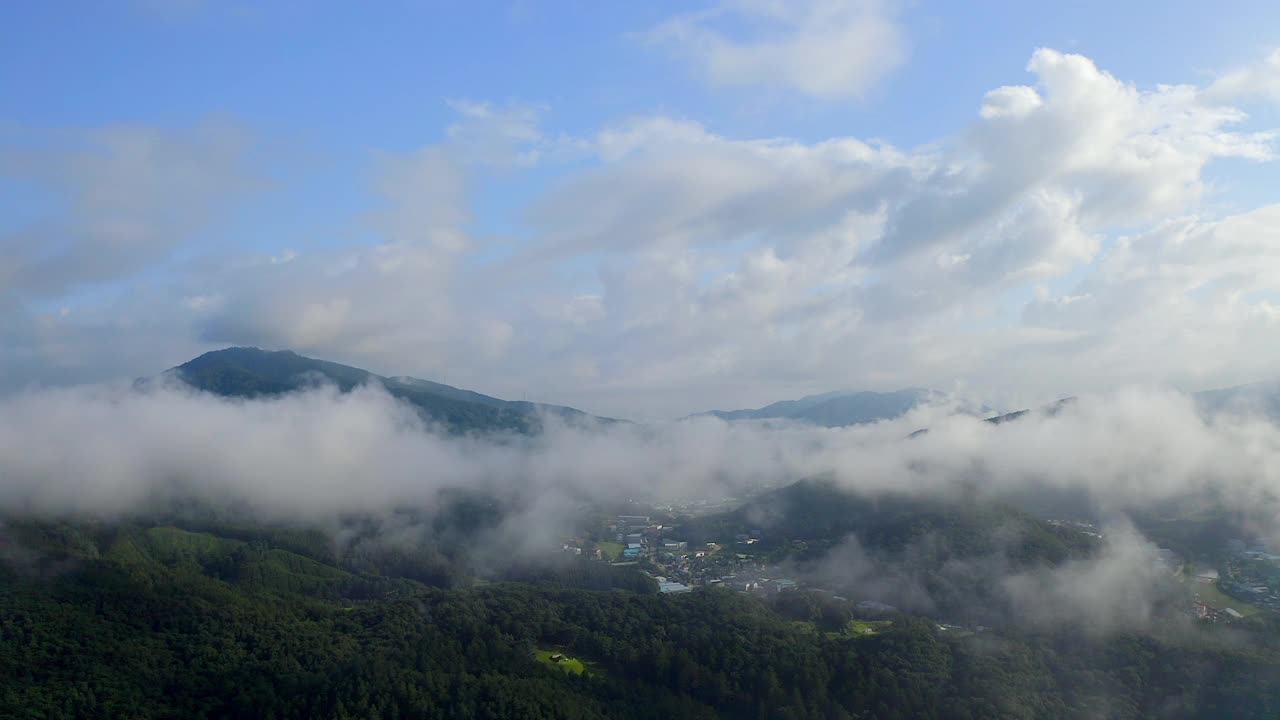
(647, 209)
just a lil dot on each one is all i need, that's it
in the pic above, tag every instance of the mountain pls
(836, 409)
(821, 514)
(1261, 398)
(1050, 410)
(251, 372)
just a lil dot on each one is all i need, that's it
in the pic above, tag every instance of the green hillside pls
(250, 372)
(161, 622)
(821, 514)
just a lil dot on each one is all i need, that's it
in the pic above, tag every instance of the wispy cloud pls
(826, 49)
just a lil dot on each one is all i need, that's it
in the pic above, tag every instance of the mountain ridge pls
(251, 372)
(840, 408)
(1261, 398)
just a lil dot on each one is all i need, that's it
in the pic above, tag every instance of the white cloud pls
(134, 194)
(733, 263)
(1259, 81)
(669, 268)
(403, 297)
(1010, 101)
(1122, 155)
(1188, 300)
(664, 181)
(826, 49)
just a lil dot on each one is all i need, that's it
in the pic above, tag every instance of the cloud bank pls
(322, 452)
(318, 456)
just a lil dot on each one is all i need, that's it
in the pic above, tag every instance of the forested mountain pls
(944, 555)
(820, 513)
(836, 409)
(251, 372)
(1256, 398)
(130, 620)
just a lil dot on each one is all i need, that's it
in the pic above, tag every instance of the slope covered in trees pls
(837, 409)
(821, 514)
(117, 620)
(250, 372)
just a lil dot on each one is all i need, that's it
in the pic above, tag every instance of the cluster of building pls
(754, 582)
(1252, 574)
(680, 568)
(1203, 611)
(1085, 528)
(668, 587)
(634, 532)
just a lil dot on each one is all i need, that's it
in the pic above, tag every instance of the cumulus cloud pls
(670, 182)
(403, 296)
(1066, 240)
(1118, 154)
(867, 258)
(1175, 295)
(1010, 101)
(826, 49)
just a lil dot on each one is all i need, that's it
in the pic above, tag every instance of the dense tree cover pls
(110, 620)
(1196, 530)
(250, 373)
(944, 555)
(820, 514)
(837, 409)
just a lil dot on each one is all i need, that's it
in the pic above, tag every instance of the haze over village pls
(817, 359)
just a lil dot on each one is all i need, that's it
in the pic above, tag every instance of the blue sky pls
(256, 160)
(300, 68)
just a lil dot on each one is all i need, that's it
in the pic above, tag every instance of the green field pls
(611, 550)
(566, 663)
(855, 628)
(866, 627)
(1211, 595)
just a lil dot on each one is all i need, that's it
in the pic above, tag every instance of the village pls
(1249, 581)
(1243, 583)
(1252, 574)
(679, 567)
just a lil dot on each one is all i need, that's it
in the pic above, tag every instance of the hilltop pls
(840, 408)
(250, 372)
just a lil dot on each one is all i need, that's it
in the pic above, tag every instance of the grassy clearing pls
(867, 627)
(854, 629)
(1210, 594)
(861, 628)
(611, 550)
(568, 664)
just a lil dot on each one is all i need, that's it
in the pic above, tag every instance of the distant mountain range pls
(837, 409)
(1255, 399)
(250, 372)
